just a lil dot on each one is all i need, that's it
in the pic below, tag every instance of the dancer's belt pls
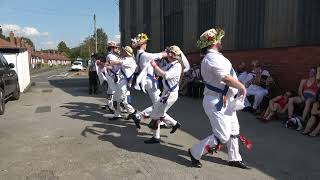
(223, 92)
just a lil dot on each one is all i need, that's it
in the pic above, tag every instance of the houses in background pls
(36, 59)
(49, 58)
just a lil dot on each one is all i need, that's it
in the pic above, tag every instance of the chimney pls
(12, 43)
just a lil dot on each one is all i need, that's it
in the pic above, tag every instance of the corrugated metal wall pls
(133, 18)
(309, 22)
(190, 25)
(206, 15)
(250, 24)
(173, 22)
(226, 17)
(280, 23)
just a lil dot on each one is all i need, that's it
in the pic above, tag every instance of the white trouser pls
(258, 93)
(159, 111)
(121, 97)
(154, 94)
(109, 90)
(224, 123)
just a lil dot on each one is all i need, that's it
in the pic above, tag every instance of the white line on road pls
(59, 75)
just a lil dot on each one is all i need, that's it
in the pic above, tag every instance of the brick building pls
(36, 58)
(283, 35)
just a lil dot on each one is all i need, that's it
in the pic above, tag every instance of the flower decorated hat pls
(175, 50)
(210, 37)
(139, 40)
(112, 44)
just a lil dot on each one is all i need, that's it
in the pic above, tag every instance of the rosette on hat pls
(210, 37)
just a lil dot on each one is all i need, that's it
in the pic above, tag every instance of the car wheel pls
(2, 102)
(16, 93)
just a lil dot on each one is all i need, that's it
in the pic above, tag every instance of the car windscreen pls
(77, 63)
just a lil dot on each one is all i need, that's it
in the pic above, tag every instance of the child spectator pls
(278, 104)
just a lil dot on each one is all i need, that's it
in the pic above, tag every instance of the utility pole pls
(95, 32)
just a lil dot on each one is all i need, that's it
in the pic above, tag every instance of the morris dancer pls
(221, 86)
(113, 51)
(146, 77)
(148, 80)
(105, 80)
(127, 69)
(171, 76)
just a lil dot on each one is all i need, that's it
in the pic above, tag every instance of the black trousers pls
(93, 81)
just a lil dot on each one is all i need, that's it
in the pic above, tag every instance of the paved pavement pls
(57, 131)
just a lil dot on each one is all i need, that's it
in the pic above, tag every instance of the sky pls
(47, 22)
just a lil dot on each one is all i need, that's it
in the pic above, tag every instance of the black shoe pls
(152, 140)
(137, 123)
(163, 126)
(114, 118)
(174, 128)
(195, 163)
(238, 164)
(110, 110)
(132, 115)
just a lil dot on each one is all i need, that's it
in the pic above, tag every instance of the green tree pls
(102, 41)
(27, 40)
(88, 46)
(63, 48)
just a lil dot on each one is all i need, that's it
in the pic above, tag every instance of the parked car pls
(77, 65)
(9, 84)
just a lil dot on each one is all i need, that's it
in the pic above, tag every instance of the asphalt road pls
(57, 131)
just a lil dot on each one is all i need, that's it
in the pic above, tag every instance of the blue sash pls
(171, 89)
(223, 91)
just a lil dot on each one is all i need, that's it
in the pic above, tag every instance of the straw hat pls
(210, 37)
(139, 40)
(128, 50)
(112, 44)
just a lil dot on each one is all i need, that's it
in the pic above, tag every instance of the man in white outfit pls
(127, 69)
(149, 81)
(112, 55)
(106, 82)
(171, 76)
(221, 87)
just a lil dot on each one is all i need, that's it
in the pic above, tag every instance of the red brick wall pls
(287, 65)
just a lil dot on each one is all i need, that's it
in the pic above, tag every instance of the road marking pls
(58, 75)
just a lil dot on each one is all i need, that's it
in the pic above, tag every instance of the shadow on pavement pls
(123, 134)
(75, 86)
(277, 152)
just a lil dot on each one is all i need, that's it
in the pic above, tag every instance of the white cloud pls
(45, 34)
(22, 31)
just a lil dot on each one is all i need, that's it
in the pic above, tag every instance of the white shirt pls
(115, 68)
(128, 67)
(172, 75)
(145, 59)
(214, 68)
